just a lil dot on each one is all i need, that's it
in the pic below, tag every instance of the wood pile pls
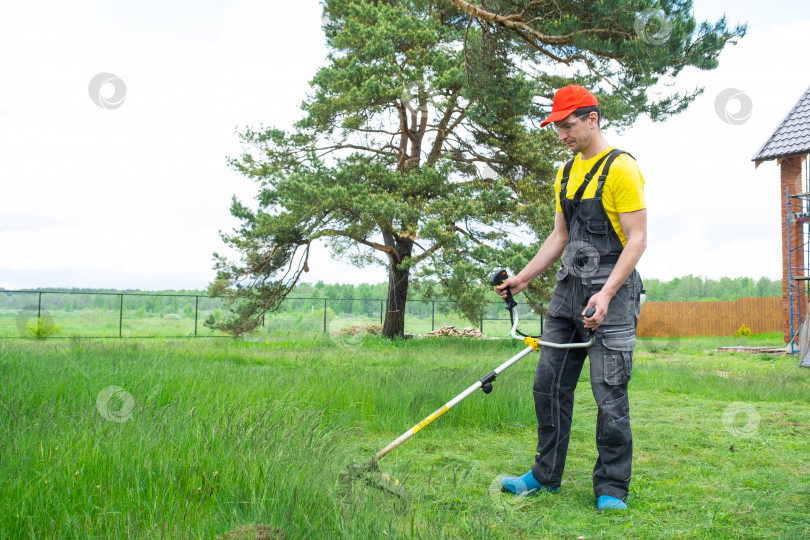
(451, 331)
(370, 329)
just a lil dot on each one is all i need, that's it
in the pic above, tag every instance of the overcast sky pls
(133, 197)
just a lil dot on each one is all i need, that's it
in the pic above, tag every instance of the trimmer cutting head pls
(370, 474)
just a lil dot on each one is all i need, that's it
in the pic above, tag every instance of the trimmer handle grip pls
(589, 313)
(497, 279)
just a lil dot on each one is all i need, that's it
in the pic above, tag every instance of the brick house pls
(789, 145)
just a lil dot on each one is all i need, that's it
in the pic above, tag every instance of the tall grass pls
(199, 437)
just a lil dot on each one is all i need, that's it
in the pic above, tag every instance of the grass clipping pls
(253, 532)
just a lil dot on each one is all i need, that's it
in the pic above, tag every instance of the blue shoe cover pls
(606, 502)
(524, 485)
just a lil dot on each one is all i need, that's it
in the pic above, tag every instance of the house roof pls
(792, 136)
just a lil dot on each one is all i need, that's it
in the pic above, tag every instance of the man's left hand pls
(600, 302)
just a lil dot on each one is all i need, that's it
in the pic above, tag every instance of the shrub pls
(743, 331)
(43, 328)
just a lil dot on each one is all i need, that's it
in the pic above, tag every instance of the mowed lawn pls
(196, 438)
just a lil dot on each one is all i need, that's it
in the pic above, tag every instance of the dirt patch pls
(253, 532)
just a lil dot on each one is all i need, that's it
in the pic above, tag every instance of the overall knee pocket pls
(613, 424)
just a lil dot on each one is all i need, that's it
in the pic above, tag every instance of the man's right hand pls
(514, 283)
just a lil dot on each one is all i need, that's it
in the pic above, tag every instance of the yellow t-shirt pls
(622, 192)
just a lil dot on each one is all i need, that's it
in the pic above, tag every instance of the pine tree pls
(418, 148)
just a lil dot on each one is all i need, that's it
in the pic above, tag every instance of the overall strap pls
(588, 177)
(564, 181)
(581, 191)
(602, 177)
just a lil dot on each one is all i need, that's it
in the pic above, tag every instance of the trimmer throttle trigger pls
(498, 278)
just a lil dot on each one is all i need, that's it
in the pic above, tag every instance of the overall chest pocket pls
(596, 234)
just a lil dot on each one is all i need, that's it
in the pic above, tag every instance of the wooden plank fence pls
(686, 319)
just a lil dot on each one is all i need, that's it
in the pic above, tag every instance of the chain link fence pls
(26, 314)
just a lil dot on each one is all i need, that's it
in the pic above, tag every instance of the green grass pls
(105, 323)
(218, 434)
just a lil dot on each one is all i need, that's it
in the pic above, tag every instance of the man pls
(600, 231)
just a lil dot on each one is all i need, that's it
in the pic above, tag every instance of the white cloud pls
(711, 212)
(133, 197)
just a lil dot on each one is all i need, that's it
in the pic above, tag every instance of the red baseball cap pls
(567, 100)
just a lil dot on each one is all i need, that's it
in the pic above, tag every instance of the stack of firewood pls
(370, 329)
(453, 332)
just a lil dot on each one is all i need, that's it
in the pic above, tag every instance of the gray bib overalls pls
(590, 255)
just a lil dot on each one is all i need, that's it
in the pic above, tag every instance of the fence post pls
(196, 311)
(39, 308)
(121, 315)
(381, 311)
(481, 327)
(432, 315)
(324, 315)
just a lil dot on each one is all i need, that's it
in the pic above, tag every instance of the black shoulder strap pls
(602, 177)
(564, 181)
(581, 191)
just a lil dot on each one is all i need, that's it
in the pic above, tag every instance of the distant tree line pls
(688, 288)
(695, 288)
(364, 299)
(137, 303)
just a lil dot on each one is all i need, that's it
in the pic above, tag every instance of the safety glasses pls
(568, 125)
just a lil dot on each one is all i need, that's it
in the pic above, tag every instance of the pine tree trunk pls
(394, 325)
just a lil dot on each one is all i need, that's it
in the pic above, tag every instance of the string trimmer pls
(370, 471)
